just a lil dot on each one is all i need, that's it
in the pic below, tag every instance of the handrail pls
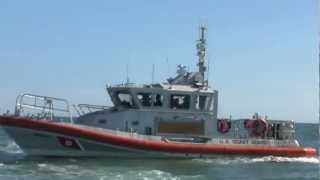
(93, 106)
(45, 104)
(89, 108)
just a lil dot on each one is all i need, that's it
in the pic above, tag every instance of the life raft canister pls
(259, 128)
(223, 126)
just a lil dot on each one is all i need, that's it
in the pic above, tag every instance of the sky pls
(263, 55)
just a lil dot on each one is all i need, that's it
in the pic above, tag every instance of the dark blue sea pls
(14, 165)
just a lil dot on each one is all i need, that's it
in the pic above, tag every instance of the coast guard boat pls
(177, 118)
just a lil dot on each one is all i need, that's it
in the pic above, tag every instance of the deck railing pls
(42, 107)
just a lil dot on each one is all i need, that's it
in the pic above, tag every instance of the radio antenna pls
(319, 79)
(201, 47)
(153, 70)
(319, 71)
(208, 73)
(127, 74)
(168, 66)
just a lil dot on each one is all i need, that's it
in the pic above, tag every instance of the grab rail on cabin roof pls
(45, 107)
(89, 108)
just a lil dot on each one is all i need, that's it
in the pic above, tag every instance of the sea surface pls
(14, 165)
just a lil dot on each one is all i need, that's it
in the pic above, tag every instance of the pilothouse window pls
(125, 99)
(202, 102)
(145, 99)
(180, 101)
(158, 101)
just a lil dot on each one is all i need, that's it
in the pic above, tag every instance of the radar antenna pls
(201, 47)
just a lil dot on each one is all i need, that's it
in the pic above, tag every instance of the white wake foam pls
(106, 173)
(313, 160)
(12, 148)
(156, 175)
(247, 160)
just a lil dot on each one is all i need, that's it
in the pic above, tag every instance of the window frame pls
(141, 100)
(207, 102)
(162, 99)
(131, 102)
(171, 105)
(152, 100)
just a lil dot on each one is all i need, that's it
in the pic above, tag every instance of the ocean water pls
(14, 165)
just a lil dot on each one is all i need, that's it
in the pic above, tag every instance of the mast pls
(201, 47)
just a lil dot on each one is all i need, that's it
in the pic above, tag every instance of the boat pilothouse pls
(182, 106)
(177, 118)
